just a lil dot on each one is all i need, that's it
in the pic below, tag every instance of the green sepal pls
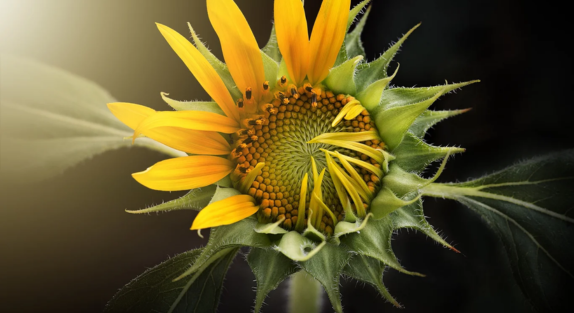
(414, 155)
(342, 56)
(371, 96)
(218, 66)
(355, 12)
(393, 123)
(271, 68)
(283, 71)
(371, 271)
(387, 158)
(343, 228)
(397, 97)
(353, 40)
(376, 70)
(374, 241)
(326, 267)
(340, 78)
(412, 216)
(387, 202)
(195, 199)
(270, 268)
(141, 294)
(270, 228)
(204, 106)
(272, 47)
(430, 118)
(297, 247)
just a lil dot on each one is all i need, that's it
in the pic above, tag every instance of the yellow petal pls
(327, 38)
(186, 140)
(301, 213)
(238, 44)
(358, 136)
(184, 173)
(225, 212)
(195, 120)
(201, 69)
(293, 37)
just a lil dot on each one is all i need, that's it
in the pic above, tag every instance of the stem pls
(305, 294)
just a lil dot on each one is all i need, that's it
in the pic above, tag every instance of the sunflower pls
(303, 147)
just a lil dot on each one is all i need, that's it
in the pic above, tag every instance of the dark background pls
(68, 246)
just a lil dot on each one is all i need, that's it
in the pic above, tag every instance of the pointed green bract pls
(340, 78)
(353, 40)
(204, 106)
(342, 56)
(270, 268)
(195, 199)
(271, 68)
(387, 202)
(371, 97)
(414, 155)
(326, 267)
(430, 118)
(270, 228)
(343, 228)
(393, 123)
(397, 97)
(355, 12)
(272, 47)
(219, 66)
(141, 294)
(412, 216)
(375, 241)
(376, 70)
(297, 247)
(371, 271)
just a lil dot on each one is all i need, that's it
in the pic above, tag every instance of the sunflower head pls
(304, 153)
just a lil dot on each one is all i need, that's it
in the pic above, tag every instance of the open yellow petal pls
(225, 212)
(201, 69)
(293, 37)
(239, 46)
(184, 173)
(327, 38)
(186, 140)
(195, 120)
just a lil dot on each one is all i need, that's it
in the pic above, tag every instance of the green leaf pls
(52, 120)
(529, 206)
(220, 67)
(430, 118)
(204, 106)
(374, 241)
(326, 267)
(195, 199)
(376, 70)
(371, 271)
(271, 68)
(272, 47)
(353, 39)
(338, 80)
(414, 155)
(155, 291)
(270, 268)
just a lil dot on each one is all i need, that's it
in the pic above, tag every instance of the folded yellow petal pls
(186, 140)
(240, 49)
(327, 38)
(184, 173)
(201, 69)
(195, 120)
(225, 212)
(293, 37)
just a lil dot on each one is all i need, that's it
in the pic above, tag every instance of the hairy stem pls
(305, 294)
